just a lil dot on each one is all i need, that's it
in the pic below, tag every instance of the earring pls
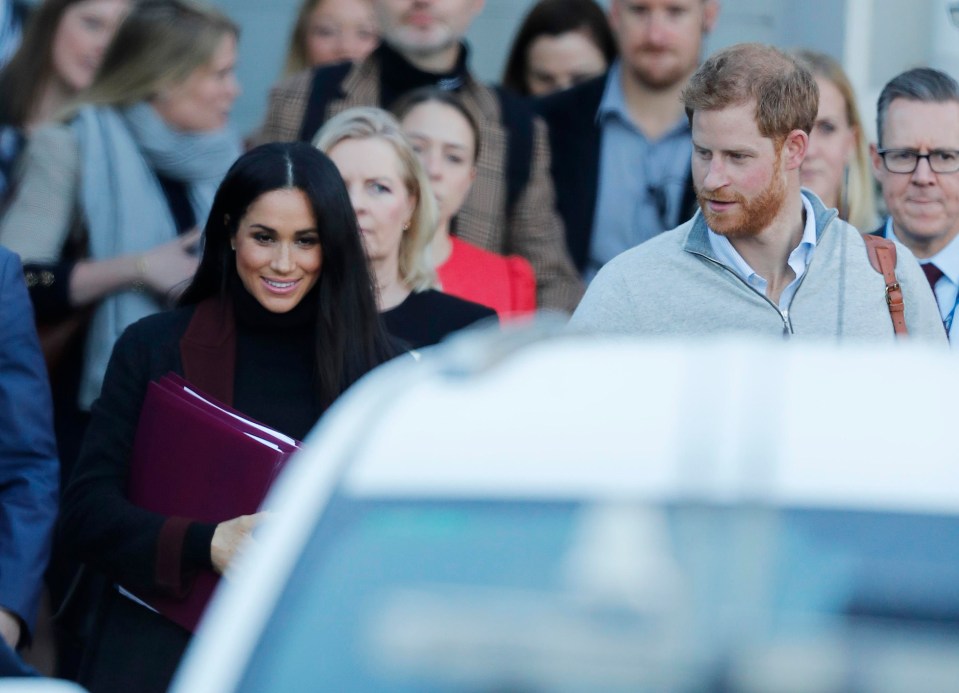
(406, 226)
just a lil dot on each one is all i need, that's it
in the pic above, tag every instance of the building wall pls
(875, 39)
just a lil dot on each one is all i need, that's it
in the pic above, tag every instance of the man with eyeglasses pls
(917, 164)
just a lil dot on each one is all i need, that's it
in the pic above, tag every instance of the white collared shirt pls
(798, 259)
(947, 288)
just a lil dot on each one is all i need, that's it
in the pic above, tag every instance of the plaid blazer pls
(534, 230)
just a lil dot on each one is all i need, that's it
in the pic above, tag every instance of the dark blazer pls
(29, 469)
(575, 142)
(131, 647)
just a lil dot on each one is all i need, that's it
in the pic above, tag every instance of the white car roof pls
(730, 421)
(726, 421)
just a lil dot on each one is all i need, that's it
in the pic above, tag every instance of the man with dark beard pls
(763, 256)
(620, 142)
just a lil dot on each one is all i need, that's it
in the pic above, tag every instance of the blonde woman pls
(397, 215)
(107, 202)
(836, 167)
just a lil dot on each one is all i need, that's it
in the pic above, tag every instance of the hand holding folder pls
(197, 458)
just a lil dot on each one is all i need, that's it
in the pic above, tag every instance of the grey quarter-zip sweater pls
(674, 285)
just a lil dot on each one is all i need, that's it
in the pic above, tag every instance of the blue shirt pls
(798, 259)
(10, 31)
(641, 182)
(947, 288)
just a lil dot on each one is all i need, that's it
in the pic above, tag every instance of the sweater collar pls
(251, 314)
(697, 235)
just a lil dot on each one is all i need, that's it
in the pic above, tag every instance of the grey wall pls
(899, 24)
(901, 35)
(265, 26)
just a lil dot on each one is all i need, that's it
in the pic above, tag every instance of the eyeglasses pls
(906, 160)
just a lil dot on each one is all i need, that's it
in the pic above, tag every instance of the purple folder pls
(197, 458)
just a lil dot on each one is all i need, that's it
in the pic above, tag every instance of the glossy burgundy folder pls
(197, 458)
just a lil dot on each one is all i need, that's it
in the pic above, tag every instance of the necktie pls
(933, 274)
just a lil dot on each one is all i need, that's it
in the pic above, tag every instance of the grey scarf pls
(124, 207)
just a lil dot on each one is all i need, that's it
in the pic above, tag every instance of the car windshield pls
(513, 595)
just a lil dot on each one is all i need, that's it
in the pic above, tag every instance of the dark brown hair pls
(552, 18)
(350, 340)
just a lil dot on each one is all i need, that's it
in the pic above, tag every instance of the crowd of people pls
(389, 199)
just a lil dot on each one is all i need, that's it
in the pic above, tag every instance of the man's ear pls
(794, 149)
(876, 160)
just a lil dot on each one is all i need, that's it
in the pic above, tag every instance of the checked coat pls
(532, 228)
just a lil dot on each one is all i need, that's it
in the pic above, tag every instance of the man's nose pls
(923, 175)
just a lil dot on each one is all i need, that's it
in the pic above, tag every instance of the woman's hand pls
(166, 269)
(229, 539)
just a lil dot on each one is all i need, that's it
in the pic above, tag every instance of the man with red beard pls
(762, 256)
(620, 142)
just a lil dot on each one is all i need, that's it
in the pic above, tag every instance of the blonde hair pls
(160, 43)
(297, 57)
(365, 122)
(857, 198)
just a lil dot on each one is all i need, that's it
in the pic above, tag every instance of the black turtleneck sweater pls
(274, 381)
(399, 75)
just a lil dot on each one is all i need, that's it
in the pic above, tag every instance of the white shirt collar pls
(946, 259)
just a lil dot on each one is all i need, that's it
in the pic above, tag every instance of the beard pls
(750, 216)
(656, 74)
(422, 46)
(411, 40)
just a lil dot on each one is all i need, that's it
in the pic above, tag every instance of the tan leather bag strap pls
(882, 257)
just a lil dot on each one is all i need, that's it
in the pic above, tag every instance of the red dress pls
(506, 284)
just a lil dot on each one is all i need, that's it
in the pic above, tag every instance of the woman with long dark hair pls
(559, 44)
(278, 321)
